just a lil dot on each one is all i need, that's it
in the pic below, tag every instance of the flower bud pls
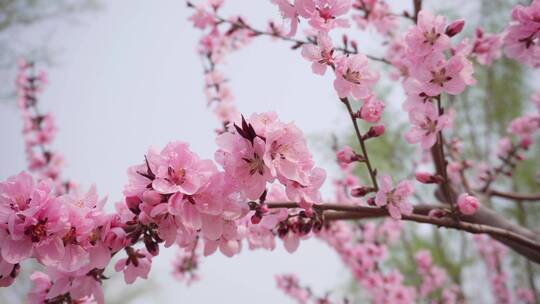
(468, 204)
(346, 156)
(455, 27)
(428, 178)
(360, 191)
(374, 131)
(437, 213)
(525, 142)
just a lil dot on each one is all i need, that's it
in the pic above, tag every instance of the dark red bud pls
(455, 27)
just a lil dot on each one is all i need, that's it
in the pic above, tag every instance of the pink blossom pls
(289, 284)
(323, 14)
(467, 204)
(372, 109)
(243, 162)
(346, 156)
(438, 75)
(185, 266)
(202, 18)
(321, 54)
(487, 47)
(428, 36)
(288, 12)
(42, 284)
(416, 95)
(35, 221)
(525, 126)
(521, 39)
(308, 193)
(8, 272)
(504, 146)
(378, 14)
(180, 170)
(426, 123)
(396, 199)
(287, 155)
(136, 265)
(353, 77)
(455, 28)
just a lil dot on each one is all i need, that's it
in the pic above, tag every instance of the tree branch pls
(514, 195)
(371, 171)
(484, 221)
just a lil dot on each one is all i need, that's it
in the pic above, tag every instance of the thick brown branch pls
(514, 195)
(485, 221)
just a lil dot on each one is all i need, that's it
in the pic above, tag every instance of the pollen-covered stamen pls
(430, 126)
(352, 76)
(176, 176)
(38, 231)
(431, 36)
(326, 57)
(439, 77)
(529, 41)
(255, 164)
(70, 237)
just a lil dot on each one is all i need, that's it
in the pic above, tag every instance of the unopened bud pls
(354, 45)
(360, 191)
(455, 27)
(437, 213)
(525, 143)
(374, 131)
(428, 178)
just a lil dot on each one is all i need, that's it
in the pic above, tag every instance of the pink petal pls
(16, 251)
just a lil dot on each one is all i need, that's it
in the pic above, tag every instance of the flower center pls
(431, 36)
(177, 177)
(439, 77)
(430, 126)
(70, 237)
(255, 164)
(37, 232)
(352, 76)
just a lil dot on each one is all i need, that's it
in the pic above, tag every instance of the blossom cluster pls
(434, 278)
(173, 198)
(69, 234)
(430, 73)
(523, 34)
(39, 128)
